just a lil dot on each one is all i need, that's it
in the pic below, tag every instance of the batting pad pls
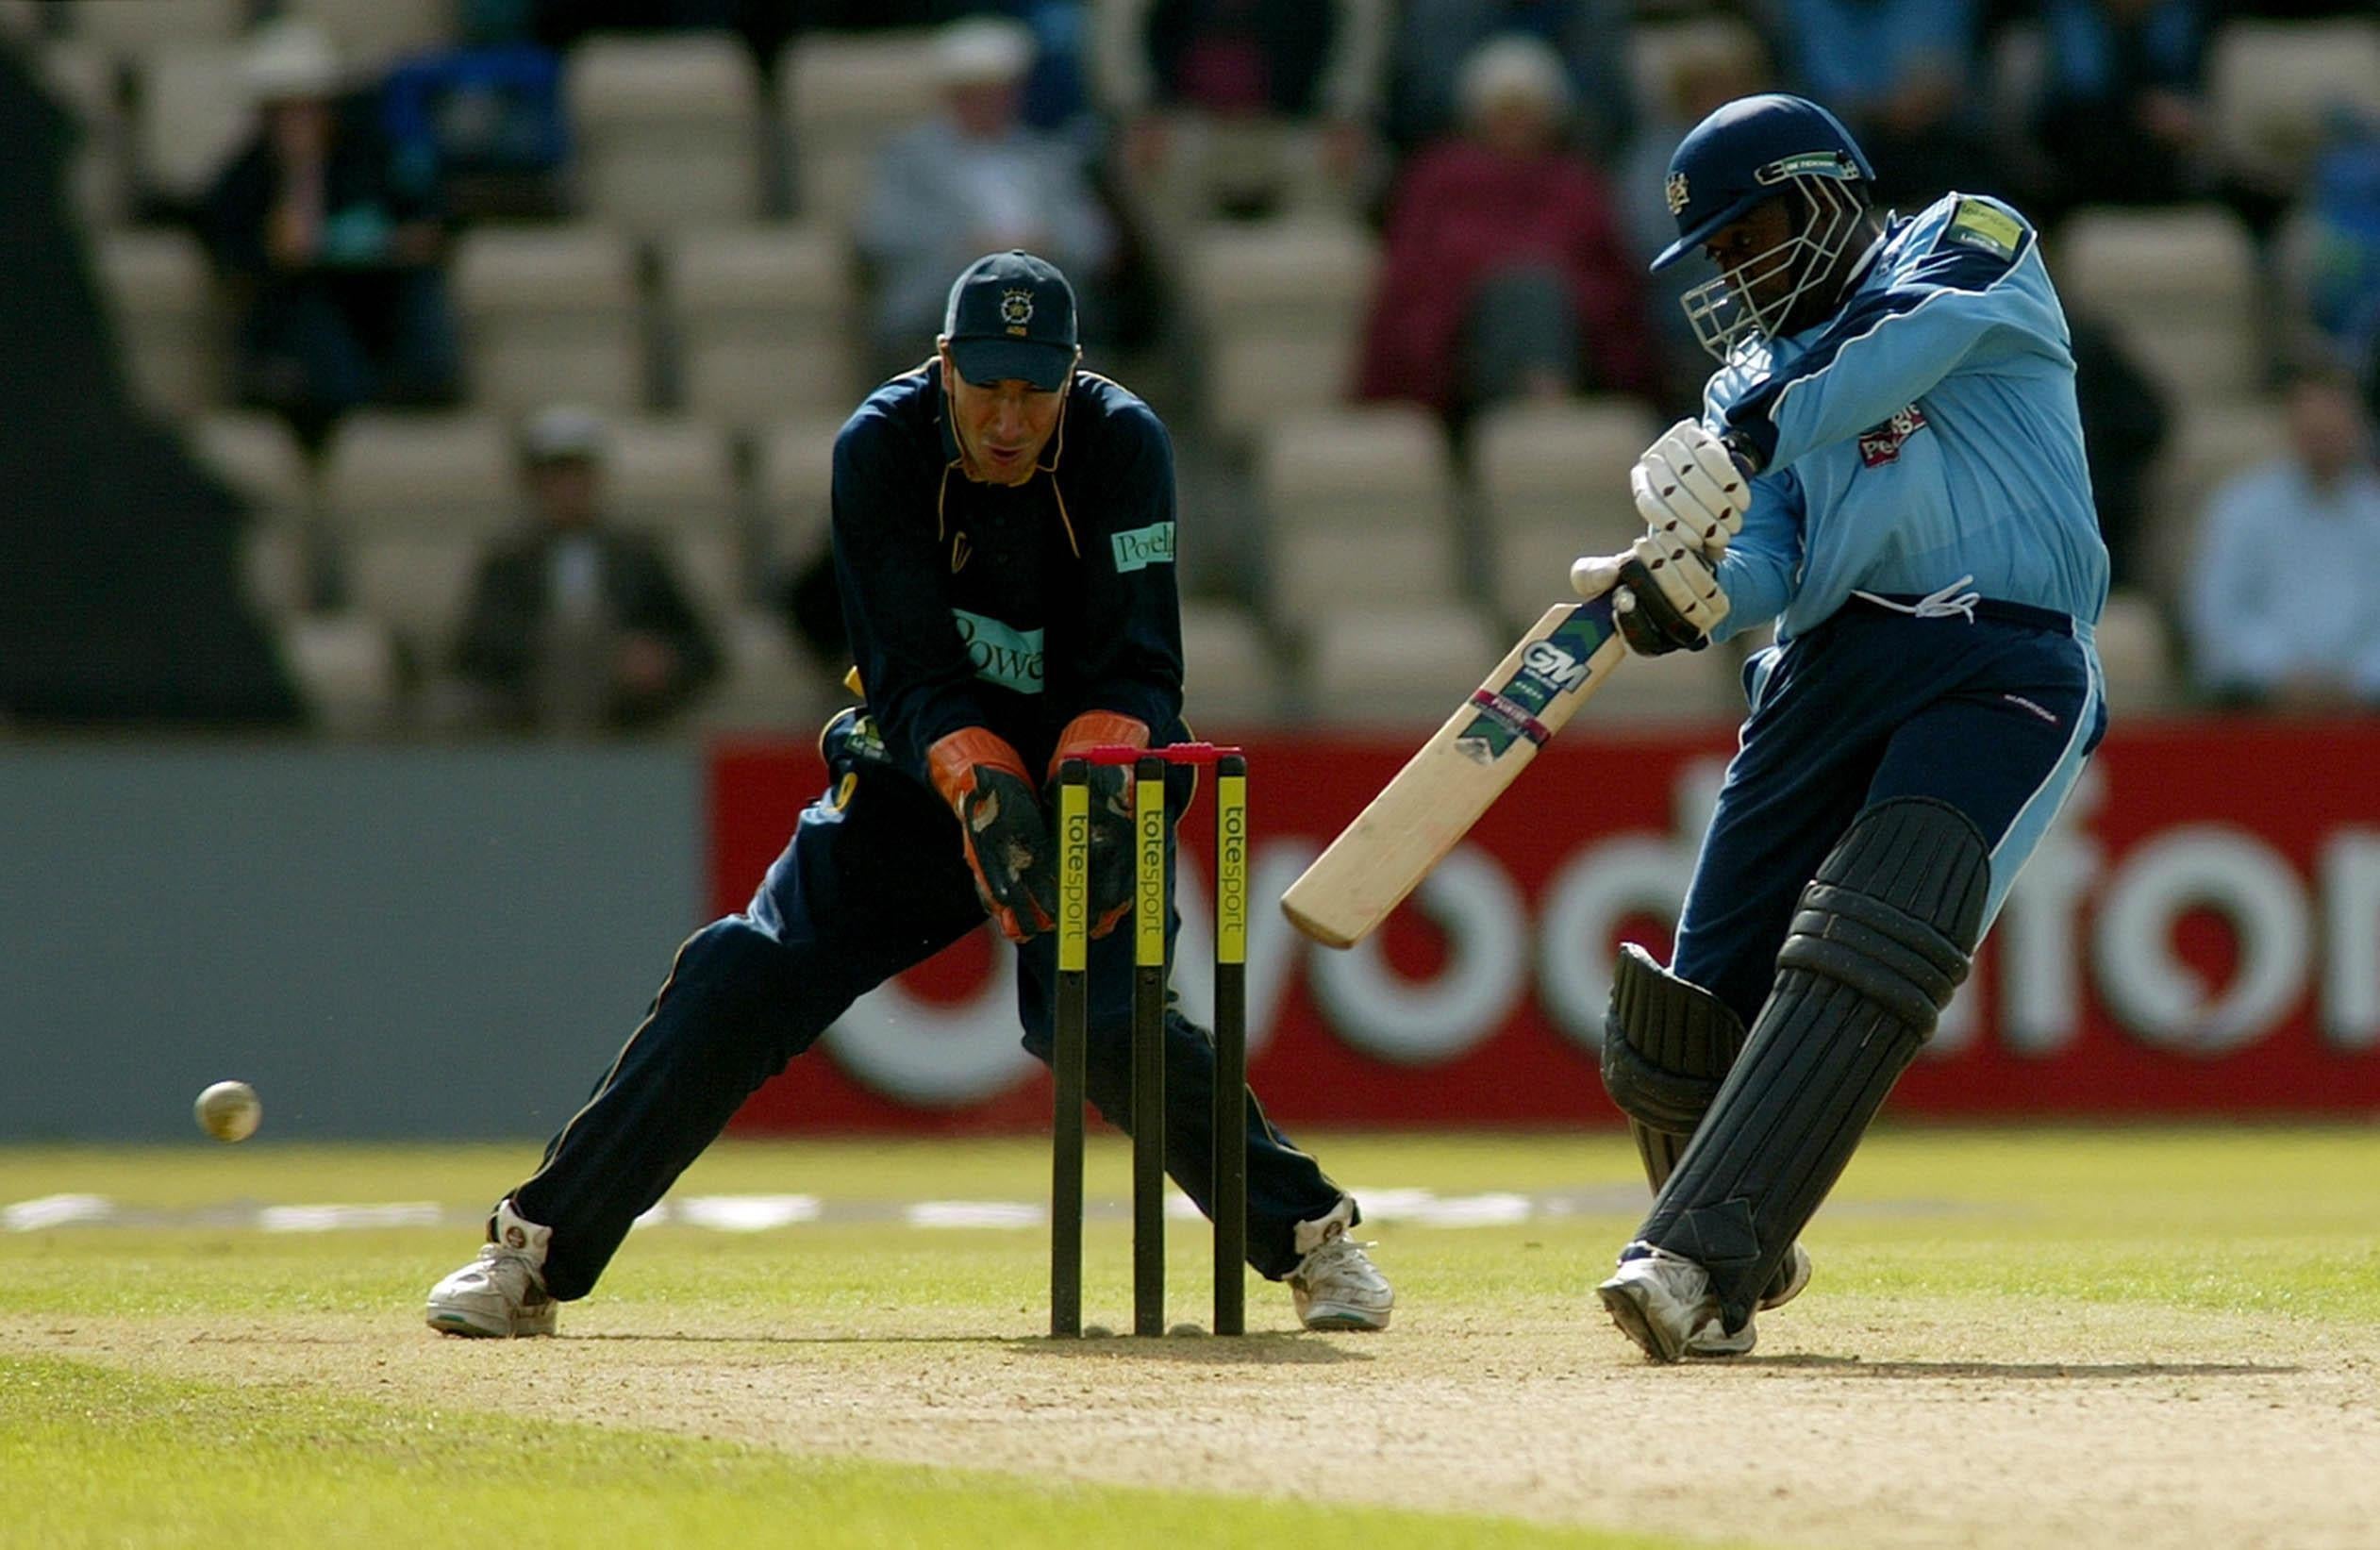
(1881, 940)
(1668, 1043)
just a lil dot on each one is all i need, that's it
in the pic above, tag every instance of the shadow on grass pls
(2043, 1371)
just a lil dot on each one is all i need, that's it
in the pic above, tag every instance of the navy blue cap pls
(1751, 150)
(1012, 315)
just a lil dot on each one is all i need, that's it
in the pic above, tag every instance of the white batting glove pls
(1668, 597)
(1688, 486)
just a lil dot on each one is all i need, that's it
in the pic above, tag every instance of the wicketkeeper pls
(1888, 465)
(1004, 531)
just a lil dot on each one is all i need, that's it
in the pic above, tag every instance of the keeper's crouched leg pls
(1879, 942)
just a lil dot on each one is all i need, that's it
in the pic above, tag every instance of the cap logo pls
(1016, 310)
(1675, 188)
(1810, 164)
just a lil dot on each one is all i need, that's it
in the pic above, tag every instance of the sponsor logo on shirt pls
(1143, 547)
(1002, 654)
(1981, 226)
(1883, 444)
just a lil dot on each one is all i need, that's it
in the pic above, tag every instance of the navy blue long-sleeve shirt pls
(1011, 608)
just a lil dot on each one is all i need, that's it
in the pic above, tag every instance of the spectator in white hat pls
(329, 247)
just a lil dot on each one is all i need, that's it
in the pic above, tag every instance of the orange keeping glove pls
(1000, 822)
(1111, 842)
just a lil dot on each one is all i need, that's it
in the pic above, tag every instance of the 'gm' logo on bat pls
(1554, 665)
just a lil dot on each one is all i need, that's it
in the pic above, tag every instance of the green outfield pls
(2117, 1336)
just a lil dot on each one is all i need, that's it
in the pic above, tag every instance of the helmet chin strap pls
(1723, 312)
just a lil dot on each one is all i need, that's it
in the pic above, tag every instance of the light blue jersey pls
(1923, 440)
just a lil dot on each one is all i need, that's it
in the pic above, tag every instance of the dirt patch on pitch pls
(1864, 1424)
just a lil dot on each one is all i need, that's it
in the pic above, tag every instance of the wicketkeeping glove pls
(1688, 486)
(1008, 846)
(1112, 846)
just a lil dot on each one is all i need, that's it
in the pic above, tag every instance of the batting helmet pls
(1753, 150)
(1749, 150)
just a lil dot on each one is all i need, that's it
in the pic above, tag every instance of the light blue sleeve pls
(1953, 306)
(1764, 561)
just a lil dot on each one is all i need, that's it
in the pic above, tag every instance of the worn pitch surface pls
(2133, 1339)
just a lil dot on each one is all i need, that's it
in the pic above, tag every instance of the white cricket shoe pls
(1660, 1300)
(1335, 1286)
(1712, 1338)
(501, 1292)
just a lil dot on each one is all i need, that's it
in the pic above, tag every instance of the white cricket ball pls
(229, 1111)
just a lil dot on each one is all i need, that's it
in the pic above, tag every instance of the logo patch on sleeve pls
(1979, 225)
(1883, 444)
(1143, 548)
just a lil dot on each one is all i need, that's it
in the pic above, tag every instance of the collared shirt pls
(2288, 580)
(1925, 433)
(1011, 608)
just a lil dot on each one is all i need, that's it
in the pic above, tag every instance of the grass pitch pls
(2134, 1338)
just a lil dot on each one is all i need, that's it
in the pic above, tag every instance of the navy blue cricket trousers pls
(863, 891)
(1994, 716)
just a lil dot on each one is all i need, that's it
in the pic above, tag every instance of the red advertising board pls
(2200, 933)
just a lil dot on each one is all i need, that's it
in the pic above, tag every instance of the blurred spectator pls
(1505, 274)
(2126, 421)
(1435, 37)
(575, 624)
(973, 180)
(2330, 255)
(330, 247)
(485, 116)
(1896, 72)
(1206, 69)
(1712, 68)
(2123, 113)
(2284, 603)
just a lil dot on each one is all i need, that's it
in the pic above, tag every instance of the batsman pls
(1003, 527)
(1888, 465)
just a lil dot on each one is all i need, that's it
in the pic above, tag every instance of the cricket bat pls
(1456, 776)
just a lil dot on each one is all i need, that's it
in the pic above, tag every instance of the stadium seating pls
(2271, 83)
(166, 320)
(255, 456)
(194, 113)
(795, 479)
(1552, 483)
(145, 29)
(550, 312)
(1279, 309)
(676, 478)
(841, 98)
(371, 35)
(2136, 657)
(414, 500)
(1360, 508)
(1231, 678)
(347, 670)
(1402, 667)
(2180, 285)
(761, 316)
(667, 130)
(83, 77)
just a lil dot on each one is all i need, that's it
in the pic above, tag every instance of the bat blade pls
(1456, 776)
